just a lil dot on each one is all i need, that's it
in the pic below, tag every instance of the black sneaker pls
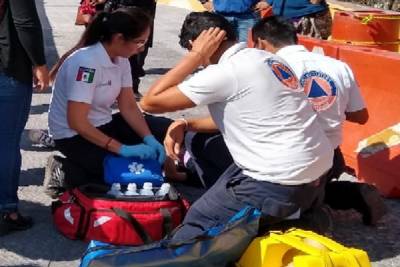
(54, 177)
(8, 225)
(374, 207)
(318, 219)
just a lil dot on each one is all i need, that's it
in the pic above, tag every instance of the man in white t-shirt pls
(333, 92)
(280, 153)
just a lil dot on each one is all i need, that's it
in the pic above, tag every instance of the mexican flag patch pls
(85, 75)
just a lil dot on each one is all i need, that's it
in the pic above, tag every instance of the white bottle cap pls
(131, 187)
(165, 186)
(116, 186)
(148, 185)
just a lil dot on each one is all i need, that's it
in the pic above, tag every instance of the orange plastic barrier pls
(371, 29)
(328, 48)
(373, 150)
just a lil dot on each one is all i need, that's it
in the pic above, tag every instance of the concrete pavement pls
(43, 246)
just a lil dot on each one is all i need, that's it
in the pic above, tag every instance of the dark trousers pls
(86, 159)
(233, 191)
(209, 154)
(137, 71)
(211, 158)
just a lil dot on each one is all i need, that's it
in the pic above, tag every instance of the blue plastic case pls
(132, 170)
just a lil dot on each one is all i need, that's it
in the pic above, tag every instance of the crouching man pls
(280, 153)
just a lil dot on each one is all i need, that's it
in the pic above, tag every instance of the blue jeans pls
(241, 24)
(15, 101)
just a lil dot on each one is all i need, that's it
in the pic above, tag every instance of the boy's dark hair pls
(196, 22)
(276, 30)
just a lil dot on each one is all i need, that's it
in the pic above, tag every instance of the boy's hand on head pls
(208, 42)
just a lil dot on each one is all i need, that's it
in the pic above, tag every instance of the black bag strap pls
(134, 224)
(167, 222)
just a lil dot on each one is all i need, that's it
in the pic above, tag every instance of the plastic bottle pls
(115, 190)
(164, 189)
(147, 189)
(131, 190)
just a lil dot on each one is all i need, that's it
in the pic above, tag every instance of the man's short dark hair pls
(196, 22)
(276, 30)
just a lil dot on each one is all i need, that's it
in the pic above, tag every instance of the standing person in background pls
(136, 61)
(22, 62)
(310, 17)
(240, 13)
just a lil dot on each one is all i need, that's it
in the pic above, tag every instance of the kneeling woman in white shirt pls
(88, 80)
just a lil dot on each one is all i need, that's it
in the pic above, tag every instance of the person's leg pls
(364, 198)
(83, 163)
(137, 61)
(233, 191)
(215, 207)
(15, 100)
(124, 133)
(323, 24)
(345, 195)
(244, 23)
(317, 25)
(137, 71)
(84, 160)
(233, 21)
(209, 155)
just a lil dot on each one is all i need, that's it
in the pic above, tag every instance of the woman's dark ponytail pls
(130, 22)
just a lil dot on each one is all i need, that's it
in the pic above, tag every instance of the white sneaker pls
(41, 137)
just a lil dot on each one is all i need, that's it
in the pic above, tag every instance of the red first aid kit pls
(89, 213)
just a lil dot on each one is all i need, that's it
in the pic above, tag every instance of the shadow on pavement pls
(157, 71)
(39, 109)
(381, 242)
(33, 176)
(42, 242)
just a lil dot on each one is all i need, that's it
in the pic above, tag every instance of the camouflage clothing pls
(317, 25)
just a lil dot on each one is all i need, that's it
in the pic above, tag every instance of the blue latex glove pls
(151, 141)
(141, 151)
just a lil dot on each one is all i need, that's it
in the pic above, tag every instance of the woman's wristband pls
(106, 146)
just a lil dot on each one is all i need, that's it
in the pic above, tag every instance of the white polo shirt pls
(88, 76)
(329, 85)
(266, 121)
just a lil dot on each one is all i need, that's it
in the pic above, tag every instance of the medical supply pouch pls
(300, 248)
(132, 170)
(88, 212)
(218, 246)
